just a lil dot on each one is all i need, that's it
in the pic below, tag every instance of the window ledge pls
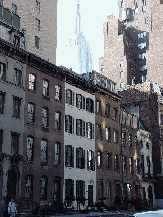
(33, 91)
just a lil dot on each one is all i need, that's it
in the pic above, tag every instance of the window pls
(100, 188)
(143, 68)
(45, 87)
(109, 161)
(14, 143)
(108, 134)
(37, 42)
(30, 147)
(124, 138)
(128, 12)
(80, 189)
(99, 159)
(31, 113)
(130, 140)
(57, 153)
(121, 85)
(1, 140)
(146, 20)
(56, 189)
(80, 127)
(29, 186)
(57, 121)
(16, 41)
(14, 9)
(121, 74)
(142, 45)
(148, 165)
(69, 155)
(142, 56)
(69, 190)
(90, 130)
(144, 8)
(131, 164)
(115, 136)
(138, 165)
(32, 82)
(37, 24)
(69, 124)
(16, 107)
(142, 35)
(99, 131)
(44, 152)
(107, 110)
(1, 2)
(2, 71)
(136, 10)
(17, 76)
(121, 64)
(102, 68)
(147, 145)
(69, 97)
(115, 114)
(43, 190)
(79, 101)
(2, 101)
(98, 106)
(58, 95)
(89, 105)
(45, 117)
(80, 158)
(137, 23)
(116, 163)
(124, 164)
(37, 6)
(109, 189)
(90, 160)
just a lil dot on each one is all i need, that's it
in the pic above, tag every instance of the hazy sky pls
(93, 14)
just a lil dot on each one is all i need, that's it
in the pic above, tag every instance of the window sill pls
(46, 98)
(31, 123)
(58, 100)
(59, 131)
(33, 91)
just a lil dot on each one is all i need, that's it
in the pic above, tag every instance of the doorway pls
(150, 195)
(12, 182)
(90, 195)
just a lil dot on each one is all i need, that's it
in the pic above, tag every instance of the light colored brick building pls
(39, 19)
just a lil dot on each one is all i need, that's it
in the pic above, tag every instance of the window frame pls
(44, 151)
(58, 120)
(45, 187)
(115, 133)
(29, 113)
(44, 118)
(116, 163)
(109, 161)
(58, 93)
(37, 42)
(45, 89)
(2, 102)
(2, 74)
(32, 84)
(80, 158)
(16, 107)
(99, 159)
(15, 137)
(1, 140)
(90, 160)
(31, 149)
(69, 124)
(57, 146)
(37, 24)
(29, 187)
(69, 156)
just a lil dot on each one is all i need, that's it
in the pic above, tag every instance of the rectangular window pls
(14, 9)
(89, 105)
(121, 85)
(29, 186)
(90, 130)
(130, 140)
(121, 64)
(69, 155)
(146, 20)
(43, 189)
(102, 68)
(69, 124)
(90, 160)
(144, 8)
(121, 74)
(37, 6)
(78, 127)
(58, 95)
(109, 190)
(138, 165)
(100, 188)
(124, 138)
(137, 23)
(37, 42)
(115, 136)
(1, 140)
(80, 189)
(108, 134)
(45, 117)
(32, 82)
(69, 97)
(116, 163)
(69, 191)
(80, 158)
(31, 113)
(109, 161)
(99, 131)
(17, 77)
(79, 101)
(115, 114)
(131, 164)
(14, 143)
(99, 159)
(124, 164)
(1, 2)
(56, 189)
(2, 102)
(2, 71)
(37, 24)
(45, 87)
(57, 153)
(98, 106)
(30, 147)
(57, 121)
(107, 110)
(148, 165)
(16, 41)
(16, 107)
(44, 147)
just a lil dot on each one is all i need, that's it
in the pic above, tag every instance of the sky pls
(93, 14)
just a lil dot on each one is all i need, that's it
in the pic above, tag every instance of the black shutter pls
(66, 95)
(86, 129)
(66, 155)
(87, 104)
(73, 187)
(77, 158)
(72, 98)
(83, 128)
(93, 131)
(83, 159)
(77, 189)
(93, 161)
(76, 100)
(72, 125)
(87, 161)
(83, 188)
(60, 94)
(72, 156)
(65, 123)
(92, 106)
(83, 104)
(76, 126)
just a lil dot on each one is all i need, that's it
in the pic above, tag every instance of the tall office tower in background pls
(39, 19)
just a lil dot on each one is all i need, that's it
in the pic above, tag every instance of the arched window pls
(43, 189)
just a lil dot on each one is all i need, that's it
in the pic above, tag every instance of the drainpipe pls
(121, 153)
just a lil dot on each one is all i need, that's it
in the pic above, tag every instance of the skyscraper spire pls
(78, 19)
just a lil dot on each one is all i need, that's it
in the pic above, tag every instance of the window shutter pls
(73, 125)
(77, 157)
(83, 159)
(76, 100)
(87, 103)
(77, 127)
(93, 131)
(92, 106)
(87, 161)
(101, 159)
(72, 187)
(66, 155)
(83, 102)
(66, 95)
(86, 129)
(83, 122)
(65, 123)
(73, 98)
(83, 188)
(72, 156)
(77, 189)
(93, 161)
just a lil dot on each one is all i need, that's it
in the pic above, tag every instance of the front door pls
(90, 195)
(11, 184)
